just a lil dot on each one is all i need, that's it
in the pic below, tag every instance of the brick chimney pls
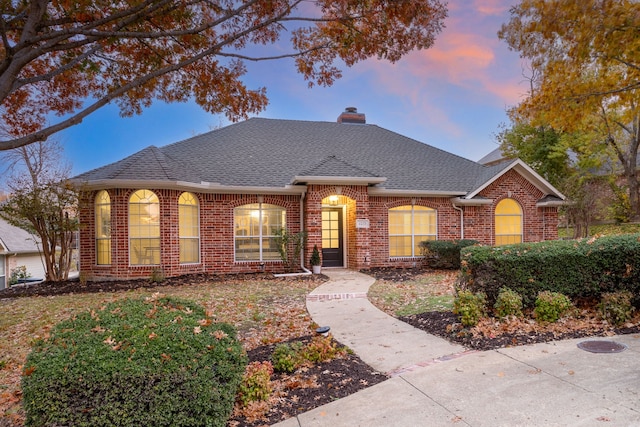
(351, 115)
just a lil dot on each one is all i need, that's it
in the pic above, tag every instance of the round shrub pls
(551, 306)
(286, 357)
(152, 362)
(469, 307)
(508, 303)
(616, 307)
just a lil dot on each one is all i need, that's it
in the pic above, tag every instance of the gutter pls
(461, 220)
(306, 272)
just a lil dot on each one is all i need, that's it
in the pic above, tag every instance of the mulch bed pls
(310, 387)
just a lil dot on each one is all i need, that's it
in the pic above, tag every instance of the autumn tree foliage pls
(585, 74)
(44, 202)
(61, 60)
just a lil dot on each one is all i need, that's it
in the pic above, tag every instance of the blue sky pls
(453, 96)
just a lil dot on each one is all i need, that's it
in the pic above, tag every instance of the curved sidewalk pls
(549, 384)
(381, 341)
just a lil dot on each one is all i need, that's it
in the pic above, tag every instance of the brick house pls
(365, 196)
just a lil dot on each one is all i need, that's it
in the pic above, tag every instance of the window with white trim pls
(408, 226)
(103, 228)
(144, 228)
(189, 225)
(255, 228)
(508, 222)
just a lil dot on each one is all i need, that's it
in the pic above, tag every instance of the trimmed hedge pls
(444, 253)
(576, 268)
(153, 362)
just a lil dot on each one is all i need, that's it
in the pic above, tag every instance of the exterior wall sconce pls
(333, 200)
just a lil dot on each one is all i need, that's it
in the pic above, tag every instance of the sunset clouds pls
(453, 96)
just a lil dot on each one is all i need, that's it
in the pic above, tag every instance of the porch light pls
(333, 200)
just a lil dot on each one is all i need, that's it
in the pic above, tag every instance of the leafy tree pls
(586, 73)
(44, 202)
(69, 58)
(540, 147)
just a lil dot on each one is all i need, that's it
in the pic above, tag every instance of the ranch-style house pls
(364, 195)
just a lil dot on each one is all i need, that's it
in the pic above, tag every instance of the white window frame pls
(413, 234)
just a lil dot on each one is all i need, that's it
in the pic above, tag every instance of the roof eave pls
(337, 180)
(204, 187)
(463, 201)
(552, 204)
(381, 191)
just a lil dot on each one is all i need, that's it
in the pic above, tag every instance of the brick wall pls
(365, 247)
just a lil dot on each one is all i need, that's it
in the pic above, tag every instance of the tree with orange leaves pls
(68, 58)
(585, 59)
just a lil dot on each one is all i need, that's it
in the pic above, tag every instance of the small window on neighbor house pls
(144, 228)
(408, 226)
(508, 222)
(103, 228)
(255, 228)
(189, 224)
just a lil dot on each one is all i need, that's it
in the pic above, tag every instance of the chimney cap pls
(351, 115)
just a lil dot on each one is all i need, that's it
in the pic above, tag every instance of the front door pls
(332, 242)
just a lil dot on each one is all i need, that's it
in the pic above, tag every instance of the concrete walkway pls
(435, 383)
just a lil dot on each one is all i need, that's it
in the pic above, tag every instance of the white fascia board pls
(380, 191)
(461, 201)
(525, 170)
(203, 187)
(553, 204)
(338, 180)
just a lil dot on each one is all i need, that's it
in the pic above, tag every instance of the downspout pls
(461, 220)
(306, 272)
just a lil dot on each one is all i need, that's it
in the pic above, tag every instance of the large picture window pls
(255, 228)
(508, 222)
(189, 219)
(408, 226)
(103, 228)
(144, 228)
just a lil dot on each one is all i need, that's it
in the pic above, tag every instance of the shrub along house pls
(365, 196)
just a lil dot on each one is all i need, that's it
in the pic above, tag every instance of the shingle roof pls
(269, 153)
(16, 240)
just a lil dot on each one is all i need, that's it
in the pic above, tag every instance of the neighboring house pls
(18, 248)
(366, 197)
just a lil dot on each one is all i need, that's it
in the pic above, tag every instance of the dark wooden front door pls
(332, 242)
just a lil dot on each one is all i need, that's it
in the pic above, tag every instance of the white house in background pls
(18, 247)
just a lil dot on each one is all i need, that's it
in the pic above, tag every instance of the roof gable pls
(17, 240)
(495, 172)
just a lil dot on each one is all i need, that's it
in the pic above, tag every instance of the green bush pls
(583, 268)
(616, 307)
(152, 362)
(551, 306)
(469, 307)
(256, 383)
(443, 253)
(508, 303)
(286, 357)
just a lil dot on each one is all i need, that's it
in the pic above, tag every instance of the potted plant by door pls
(315, 260)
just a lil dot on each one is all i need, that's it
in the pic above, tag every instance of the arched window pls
(103, 228)
(508, 222)
(255, 228)
(144, 228)
(408, 226)
(188, 218)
